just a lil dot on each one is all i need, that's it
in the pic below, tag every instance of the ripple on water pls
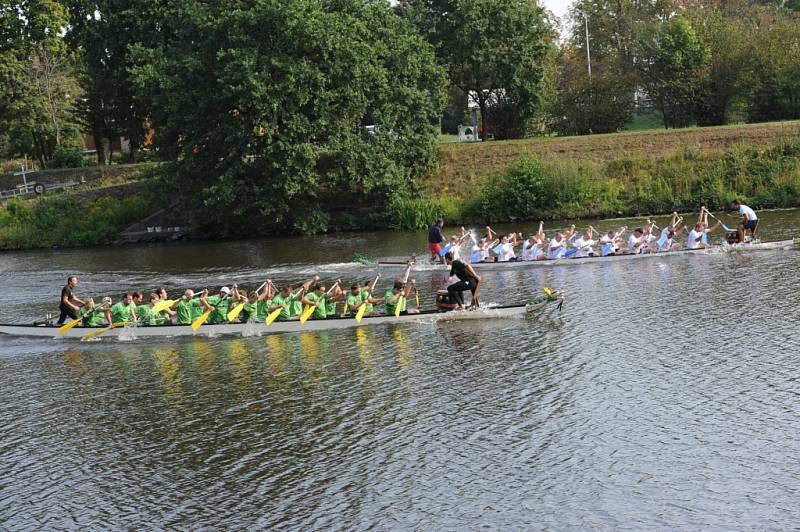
(663, 396)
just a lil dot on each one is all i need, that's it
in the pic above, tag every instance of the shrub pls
(64, 157)
(412, 213)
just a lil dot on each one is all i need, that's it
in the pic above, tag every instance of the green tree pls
(493, 49)
(101, 33)
(264, 105)
(775, 45)
(674, 63)
(601, 103)
(726, 77)
(37, 76)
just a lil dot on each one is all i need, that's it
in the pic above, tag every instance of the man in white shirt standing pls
(749, 220)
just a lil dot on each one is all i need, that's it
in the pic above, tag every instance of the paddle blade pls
(233, 314)
(309, 310)
(273, 316)
(67, 326)
(95, 334)
(416, 296)
(196, 324)
(547, 291)
(399, 306)
(163, 305)
(360, 313)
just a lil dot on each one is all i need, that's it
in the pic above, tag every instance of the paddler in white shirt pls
(636, 241)
(698, 237)
(749, 220)
(666, 242)
(557, 247)
(608, 242)
(532, 247)
(583, 244)
(505, 250)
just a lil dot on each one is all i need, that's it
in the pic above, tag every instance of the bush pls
(412, 213)
(64, 157)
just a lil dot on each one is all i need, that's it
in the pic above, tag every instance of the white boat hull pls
(724, 248)
(261, 328)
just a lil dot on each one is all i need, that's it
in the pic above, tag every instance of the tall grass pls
(64, 221)
(530, 189)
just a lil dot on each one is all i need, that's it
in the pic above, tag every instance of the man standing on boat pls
(435, 240)
(749, 220)
(467, 280)
(69, 304)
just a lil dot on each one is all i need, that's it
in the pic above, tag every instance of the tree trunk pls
(40, 151)
(482, 107)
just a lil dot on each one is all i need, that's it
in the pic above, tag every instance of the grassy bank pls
(649, 172)
(464, 167)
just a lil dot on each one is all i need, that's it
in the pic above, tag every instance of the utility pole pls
(588, 57)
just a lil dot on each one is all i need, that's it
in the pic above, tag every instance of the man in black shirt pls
(435, 240)
(467, 280)
(69, 304)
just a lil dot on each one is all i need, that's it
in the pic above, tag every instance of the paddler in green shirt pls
(393, 295)
(290, 302)
(220, 305)
(258, 305)
(124, 311)
(361, 296)
(94, 316)
(141, 307)
(319, 299)
(146, 314)
(189, 309)
(167, 314)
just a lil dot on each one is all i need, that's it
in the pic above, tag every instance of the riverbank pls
(624, 174)
(93, 214)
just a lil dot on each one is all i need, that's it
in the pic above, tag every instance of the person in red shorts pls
(435, 240)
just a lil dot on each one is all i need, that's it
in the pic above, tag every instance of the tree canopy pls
(264, 106)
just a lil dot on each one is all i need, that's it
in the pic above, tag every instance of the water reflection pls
(548, 421)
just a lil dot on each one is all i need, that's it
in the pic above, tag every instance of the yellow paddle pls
(547, 291)
(95, 334)
(233, 314)
(309, 310)
(277, 312)
(67, 326)
(363, 307)
(401, 301)
(196, 324)
(163, 305)
(273, 316)
(360, 313)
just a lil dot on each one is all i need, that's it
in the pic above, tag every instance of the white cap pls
(225, 289)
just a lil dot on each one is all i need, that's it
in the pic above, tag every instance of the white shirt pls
(633, 244)
(747, 211)
(506, 252)
(584, 246)
(554, 252)
(664, 242)
(456, 251)
(694, 237)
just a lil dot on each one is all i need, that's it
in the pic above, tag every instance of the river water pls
(663, 396)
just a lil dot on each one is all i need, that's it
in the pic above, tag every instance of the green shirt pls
(188, 311)
(93, 317)
(330, 307)
(321, 310)
(122, 313)
(286, 313)
(148, 317)
(262, 308)
(365, 297)
(220, 312)
(392, 308)
(353, 301)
